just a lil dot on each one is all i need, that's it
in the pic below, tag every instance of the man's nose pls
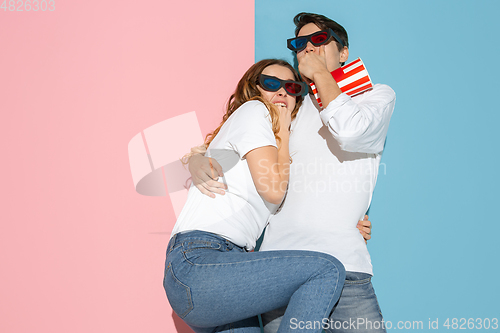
(310, 47)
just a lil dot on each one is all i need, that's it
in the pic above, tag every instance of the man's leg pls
(249, 325)
(356, 311)
(271, 320)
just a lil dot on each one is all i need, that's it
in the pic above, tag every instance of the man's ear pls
(344, 54)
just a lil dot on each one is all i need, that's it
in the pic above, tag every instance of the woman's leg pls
(356, 311)
(210, 282)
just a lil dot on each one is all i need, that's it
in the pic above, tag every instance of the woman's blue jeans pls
(210, 283)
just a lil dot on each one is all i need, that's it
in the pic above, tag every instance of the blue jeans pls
(210, 283)
(356, 311)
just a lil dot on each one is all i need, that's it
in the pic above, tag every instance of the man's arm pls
(361, 126)
(204, 173)
(313, 67)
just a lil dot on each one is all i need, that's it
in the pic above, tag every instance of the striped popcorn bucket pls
(353, 79)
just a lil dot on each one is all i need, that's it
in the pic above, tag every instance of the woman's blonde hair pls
(247, 90)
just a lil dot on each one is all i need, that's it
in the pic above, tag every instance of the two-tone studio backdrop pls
(82, 251)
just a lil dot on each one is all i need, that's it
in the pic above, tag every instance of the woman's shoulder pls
(251, 110)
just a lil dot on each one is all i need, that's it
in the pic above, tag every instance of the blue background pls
(435, 239)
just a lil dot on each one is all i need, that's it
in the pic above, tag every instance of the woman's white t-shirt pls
(241, 214)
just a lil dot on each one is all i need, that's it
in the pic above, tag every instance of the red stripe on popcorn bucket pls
(315, 92)
(352, 78)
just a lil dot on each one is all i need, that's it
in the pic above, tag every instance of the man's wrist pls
(323, 75)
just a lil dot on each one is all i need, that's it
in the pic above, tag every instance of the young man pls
(336, 153)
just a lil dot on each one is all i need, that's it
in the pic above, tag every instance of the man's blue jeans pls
(356, 311)
(210, 283)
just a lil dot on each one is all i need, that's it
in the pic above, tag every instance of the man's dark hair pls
(323, 23)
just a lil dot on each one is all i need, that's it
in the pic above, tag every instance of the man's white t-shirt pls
(336, 156)
(241, 214)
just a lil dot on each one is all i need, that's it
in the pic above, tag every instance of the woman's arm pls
(269, 166)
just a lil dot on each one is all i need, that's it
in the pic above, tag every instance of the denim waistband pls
(185, 236)
(357, 277)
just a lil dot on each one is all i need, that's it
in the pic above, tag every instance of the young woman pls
(211, 281)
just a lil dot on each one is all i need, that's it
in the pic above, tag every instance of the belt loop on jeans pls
(172, 242)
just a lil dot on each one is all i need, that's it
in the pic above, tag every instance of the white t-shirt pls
(241, 214)
(336, 156)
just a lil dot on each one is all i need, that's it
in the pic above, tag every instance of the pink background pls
(80, 250)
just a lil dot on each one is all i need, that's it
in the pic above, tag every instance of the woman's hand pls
(365, 228)
(204, 174)
(285, 119)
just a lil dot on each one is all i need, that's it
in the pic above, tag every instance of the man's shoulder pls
(380, 94)
(382, 89)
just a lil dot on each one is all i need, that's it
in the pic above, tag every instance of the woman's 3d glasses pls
(318, 38)
(271, 83)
